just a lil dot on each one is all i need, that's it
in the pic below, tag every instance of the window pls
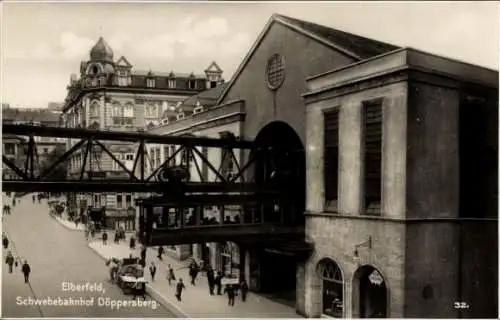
(45, 150)
(128, 111)
(122, 73)
(114, 165)
(478, 158)
(180, 116)
(166, 154)
(158, 157)
(129, 156)
(333, 288)
(119, 201)
(372, 139)
(331, 157)
(151, 111)
(171, 83)
(192, 84)
(94, 109)
(10, 149)
(123, 81)
(275, 71)
(213, 84)
(150, 83)
(172, 151)
(128, 201)
(152, 158)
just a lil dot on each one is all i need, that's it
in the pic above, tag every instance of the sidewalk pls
(196, 301)
(69, 224)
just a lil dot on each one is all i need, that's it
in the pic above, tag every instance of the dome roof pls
(101, 51)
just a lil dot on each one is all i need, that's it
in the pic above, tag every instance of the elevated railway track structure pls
(265, 201)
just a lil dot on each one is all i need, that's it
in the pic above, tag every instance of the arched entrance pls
(280, 160)
(332, 288)
(370, 296)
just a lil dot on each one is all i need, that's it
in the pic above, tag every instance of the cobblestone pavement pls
(196, 300)
(58, 255)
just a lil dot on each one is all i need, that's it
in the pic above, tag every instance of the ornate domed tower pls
(99, 69)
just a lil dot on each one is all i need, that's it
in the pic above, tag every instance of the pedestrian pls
(178, 290)
(9, 260)
(218, 282)
(33, 198)
(160, 252)
(193, 272)
(244, 290)
(104, 237)
(139, 290)
(87, 234)
(26, 271)
(117, 237)
(170, 275)
(132, 243)
(152, 270)
(231, 293)
(5, 242)
(211, 279)
(143, 257)
(13, 202)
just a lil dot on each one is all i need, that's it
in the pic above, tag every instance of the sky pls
(43, 43)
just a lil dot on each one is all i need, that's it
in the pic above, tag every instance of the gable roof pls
(123, 62)
(213, 67)
(354, 46)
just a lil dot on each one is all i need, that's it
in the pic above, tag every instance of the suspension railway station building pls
(398, 166)
(111, 95)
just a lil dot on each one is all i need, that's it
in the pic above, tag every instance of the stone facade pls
(112, 95)
(417, 243)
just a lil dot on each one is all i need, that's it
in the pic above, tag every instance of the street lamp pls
(367, 243)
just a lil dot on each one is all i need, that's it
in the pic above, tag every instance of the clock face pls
(275, 71)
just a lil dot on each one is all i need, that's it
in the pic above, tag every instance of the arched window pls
(333, 288)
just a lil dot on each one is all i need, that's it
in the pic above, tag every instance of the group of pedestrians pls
(14, 262)
(214, 279)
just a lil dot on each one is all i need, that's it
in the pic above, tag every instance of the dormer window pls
(213, 84)
(164, 121)
(180, 116)
(122, 73)
(95, 70)
(150, 83)
(171, 83)
(198, 109)
(192, 84)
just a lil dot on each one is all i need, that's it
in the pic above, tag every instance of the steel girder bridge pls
(265, 206)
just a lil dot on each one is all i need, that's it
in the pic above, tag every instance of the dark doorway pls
(280, 159)
(369, 293)
(278, 277)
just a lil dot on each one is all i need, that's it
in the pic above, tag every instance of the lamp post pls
(367, 243)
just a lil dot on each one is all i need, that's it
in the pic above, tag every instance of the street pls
(56, 256)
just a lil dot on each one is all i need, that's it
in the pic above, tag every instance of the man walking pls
(178, 289)
(211, 279)
(26, 271)
(152, 271)
(9, 260)
(5, 242)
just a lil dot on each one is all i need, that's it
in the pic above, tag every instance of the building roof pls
(363, 48)
(206, 98)
(101, 51)
(41, 116)
(357, 47)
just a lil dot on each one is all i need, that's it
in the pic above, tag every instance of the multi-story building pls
(15, 147)
(112, 95)
(400, 149)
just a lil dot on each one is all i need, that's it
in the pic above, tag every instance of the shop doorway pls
(332, 288)
(370, 295)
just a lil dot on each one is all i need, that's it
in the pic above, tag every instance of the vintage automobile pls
(130, 277)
